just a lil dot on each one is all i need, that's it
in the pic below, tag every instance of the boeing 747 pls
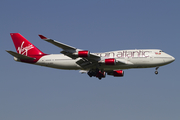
(94, 64)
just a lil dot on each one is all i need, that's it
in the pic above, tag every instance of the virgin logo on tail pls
(24, 50)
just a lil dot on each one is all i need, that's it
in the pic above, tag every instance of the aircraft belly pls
(66, 64)
(63, 64)
(59, 63)
(115, 67)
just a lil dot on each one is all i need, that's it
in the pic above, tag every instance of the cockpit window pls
(161, 51)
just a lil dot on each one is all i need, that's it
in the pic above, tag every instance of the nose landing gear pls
(156, 72)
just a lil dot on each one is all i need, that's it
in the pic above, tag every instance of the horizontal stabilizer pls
(17, 55)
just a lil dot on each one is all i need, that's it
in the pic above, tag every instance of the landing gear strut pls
(156, 72)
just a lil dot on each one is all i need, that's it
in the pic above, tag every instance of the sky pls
(29, 92)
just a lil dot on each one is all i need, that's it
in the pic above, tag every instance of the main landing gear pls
(156, 72)
(97, 73)
(93, 72)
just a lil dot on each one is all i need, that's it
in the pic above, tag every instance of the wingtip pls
(43, 37)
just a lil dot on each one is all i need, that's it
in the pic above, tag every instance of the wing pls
(58, 44)
(88, 59)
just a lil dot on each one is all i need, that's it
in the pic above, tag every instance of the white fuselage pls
(94, 64)
(143, 58)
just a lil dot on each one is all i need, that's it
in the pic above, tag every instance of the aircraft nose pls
(168, 58)
(173, 59)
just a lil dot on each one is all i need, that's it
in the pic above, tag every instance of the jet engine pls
(116, 73)
(84, 53)
(110, 61)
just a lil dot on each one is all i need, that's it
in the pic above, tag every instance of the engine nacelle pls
(84, 53)
(117, 73)
(110, 61)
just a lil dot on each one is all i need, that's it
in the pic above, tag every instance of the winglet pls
(43, 37)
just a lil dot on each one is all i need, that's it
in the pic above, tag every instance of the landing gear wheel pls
(156, 72)
(90, 73)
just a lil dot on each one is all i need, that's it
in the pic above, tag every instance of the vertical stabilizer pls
(23, 46)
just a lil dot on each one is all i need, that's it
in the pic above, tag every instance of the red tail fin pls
(23, 46)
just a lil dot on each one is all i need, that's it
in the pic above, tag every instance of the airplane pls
(94, 64)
